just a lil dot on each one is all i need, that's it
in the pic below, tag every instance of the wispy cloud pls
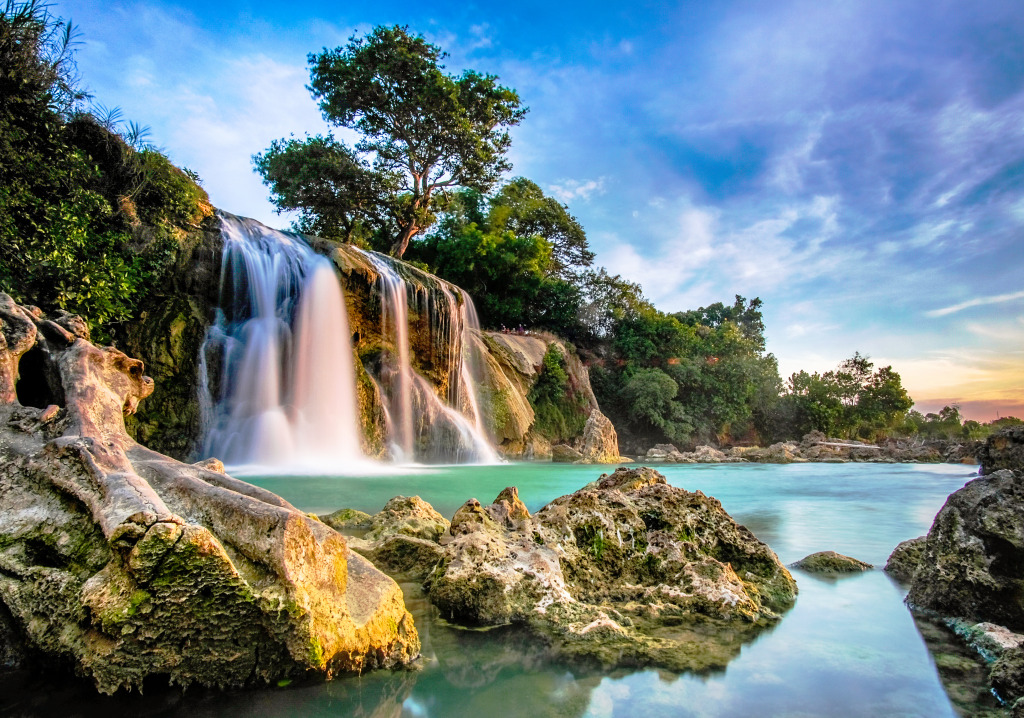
(569, 190)
(976, 302)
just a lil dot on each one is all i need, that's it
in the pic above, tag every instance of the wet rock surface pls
(626, 571)
(970, 567)
(973, 554)
(125, 564)
(830, 563)
(905, 559)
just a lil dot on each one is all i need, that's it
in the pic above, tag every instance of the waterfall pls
(422, 426)
(280, 348)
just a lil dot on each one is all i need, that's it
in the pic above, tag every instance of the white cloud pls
(976, 302)
(568, 190)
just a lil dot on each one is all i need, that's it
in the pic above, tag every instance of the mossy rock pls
(830, 563)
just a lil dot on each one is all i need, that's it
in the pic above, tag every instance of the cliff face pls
(515, 363)
(168, 335)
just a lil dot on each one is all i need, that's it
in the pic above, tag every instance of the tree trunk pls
(401, 242)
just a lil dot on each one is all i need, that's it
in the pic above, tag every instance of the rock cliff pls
(125, 564)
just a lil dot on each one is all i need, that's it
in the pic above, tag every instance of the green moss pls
(138, 597)
(559, 408)
(590, 537)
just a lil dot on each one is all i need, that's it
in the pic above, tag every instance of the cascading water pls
(281, 351)
(421, 425)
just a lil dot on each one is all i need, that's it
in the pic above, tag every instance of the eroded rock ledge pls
(626, 571)
(125, 564)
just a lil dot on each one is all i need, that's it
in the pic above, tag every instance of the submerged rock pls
(126, 564)
(626, 571)
(830, 563)
(905, 559)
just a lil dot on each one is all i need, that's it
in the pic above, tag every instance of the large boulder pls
(127, 564)
(1003, 450)
(626, 571)
(974, 553)
(600, 442)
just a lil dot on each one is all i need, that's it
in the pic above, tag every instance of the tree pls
(427, 132)
(327, 182)
(522, 208)
(72, 190)
(514, 252)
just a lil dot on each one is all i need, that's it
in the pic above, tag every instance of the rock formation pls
(126, 564)
(971, 566)
(831, 564)
(626, 571)
(905, 558)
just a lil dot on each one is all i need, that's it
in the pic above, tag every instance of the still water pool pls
(848, 647)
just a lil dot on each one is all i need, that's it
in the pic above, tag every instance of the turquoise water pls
(849, 647)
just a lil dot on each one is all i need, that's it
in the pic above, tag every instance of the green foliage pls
(559, 407)
(948, 424)
(849, 402)
(688, 377)
(327, 182)
(511, 252)
(71, 189)
(426, 131)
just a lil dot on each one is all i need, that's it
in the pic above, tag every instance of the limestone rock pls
(973, 554)
(780, 453)
(1007, 676)
(830, 563)
(905, 558)
(606, 571)
(661, 452)
(126, 564)
(564, 454)
(600, 442)
(347, 519)
(407, 516)
(1003, 450)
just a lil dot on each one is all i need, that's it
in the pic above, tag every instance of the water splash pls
(281, 353)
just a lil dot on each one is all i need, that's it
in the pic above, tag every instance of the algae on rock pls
(125, 564)
(626, 571)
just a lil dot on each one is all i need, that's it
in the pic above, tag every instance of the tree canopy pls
(423, 133)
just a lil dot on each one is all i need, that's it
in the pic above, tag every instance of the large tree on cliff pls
(423, 131)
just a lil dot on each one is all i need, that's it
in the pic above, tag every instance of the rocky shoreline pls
(627, 571)
(816, 447)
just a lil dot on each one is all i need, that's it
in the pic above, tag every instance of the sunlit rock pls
(126, 564)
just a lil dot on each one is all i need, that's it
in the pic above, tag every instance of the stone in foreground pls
(126, 564)
(973, 555)
(626, 571)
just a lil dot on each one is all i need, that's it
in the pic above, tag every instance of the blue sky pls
(857, 165)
